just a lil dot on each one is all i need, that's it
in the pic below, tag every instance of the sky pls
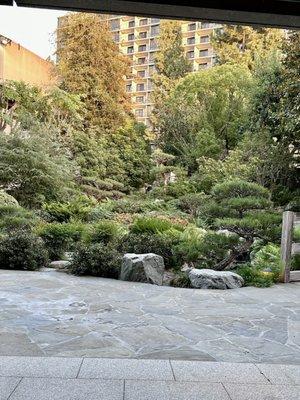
(31, 28)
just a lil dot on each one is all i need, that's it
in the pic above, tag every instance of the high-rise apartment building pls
(137, 38)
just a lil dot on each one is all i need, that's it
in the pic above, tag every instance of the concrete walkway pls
(49, 378)
(50, 313)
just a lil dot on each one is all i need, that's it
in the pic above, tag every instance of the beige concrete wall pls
(20, 64)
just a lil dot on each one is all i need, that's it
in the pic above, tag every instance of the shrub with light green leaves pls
(7, 200)
(13, 218)
(104, 232)
(59, 238)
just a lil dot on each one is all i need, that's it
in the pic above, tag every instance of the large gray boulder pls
(210, 279)
(143, 268)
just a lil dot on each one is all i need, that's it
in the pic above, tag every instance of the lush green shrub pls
(96, 260)
(153, 225)
(99, 212)
(147, 242)
(78, 208)
(205, 250)
(193, 202)
(22, 250)
(296, 235)
(14, 218)
(295, 264)
(255, 277)
(7, 200)
(59, 238)
(104, 232)
(267, 259)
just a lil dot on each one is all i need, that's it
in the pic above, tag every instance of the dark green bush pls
(147, 242)
(59, 238)
(22, 251)
(255, 277)
(104, 232)
(96, 260)
(268, 259)
(207, 250)
(239, 188)
(153, 225)
(193, 202)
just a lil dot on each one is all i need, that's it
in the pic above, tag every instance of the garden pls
(81, 181)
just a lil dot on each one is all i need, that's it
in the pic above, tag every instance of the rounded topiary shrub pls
(96, 260)
(22, 251)
(7, 200)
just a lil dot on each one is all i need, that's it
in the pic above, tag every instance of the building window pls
(141, 74)
(140, 87)
(155, 20)
(203, 65)
(204, 39)
(143, 21)
(141, 60)
(115, 24)
(191, 40)
(139, 112)
(154, 30)
(130, 50)
(151, 57)
(203, 53)
(129, 88)
(142, 47)
(140, 99)
(116, 37)
(205, 25)
(190, 54)
(192, 27)
(153, 44)
(131, 24)
(131, 36)
(142, 35)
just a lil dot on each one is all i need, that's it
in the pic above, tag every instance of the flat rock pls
(210, 279)
(148, 268)
(59, 265)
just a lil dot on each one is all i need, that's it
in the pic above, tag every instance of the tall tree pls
(243, 45)
(205, 114)
(170, 62)
(90, 65)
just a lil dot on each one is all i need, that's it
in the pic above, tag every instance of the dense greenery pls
(77, 174)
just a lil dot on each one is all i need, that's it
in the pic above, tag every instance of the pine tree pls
(244, 45)
(170, 62)
(90, 64)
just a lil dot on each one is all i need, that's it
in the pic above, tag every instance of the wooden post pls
(286, 244)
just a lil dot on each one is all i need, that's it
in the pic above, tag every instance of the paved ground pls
(48, 378)
(54, 314)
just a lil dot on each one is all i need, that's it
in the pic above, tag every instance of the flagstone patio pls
(49, 313)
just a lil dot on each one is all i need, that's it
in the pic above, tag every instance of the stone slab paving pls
(119, 379)
(50, 313)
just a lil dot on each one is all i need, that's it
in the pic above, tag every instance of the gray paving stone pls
(68, 389)
(126, 369)
(141, 390)
(263, 392)
(7, 386)
(52, 367)
(217, 372)
(281, 374)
